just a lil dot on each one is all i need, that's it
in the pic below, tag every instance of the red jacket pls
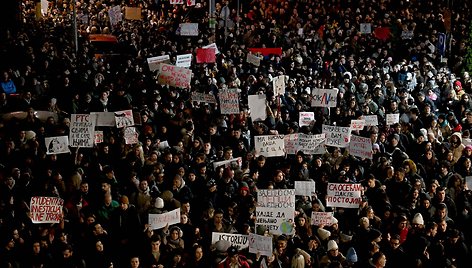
(225, 263)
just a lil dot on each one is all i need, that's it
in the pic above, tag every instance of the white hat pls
(323, 234)
(159, 203)
(332, 245)
(418, 219)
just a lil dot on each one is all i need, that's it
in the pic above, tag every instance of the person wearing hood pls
(456, 146)
(181, 191)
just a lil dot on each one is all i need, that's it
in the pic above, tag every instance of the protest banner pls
(174, 76)
(324, 97)
(57, 145)
(407, 35)
(98, 136)
(158, 221)
(275, 210)
(190, 3)
(337, 136)
(237, 240)
(44, 7)
(82, 127)
(257, 106)
(371, 120)
(253, 59)
(266, 51)
(115, 15)
(311, 144)
(226, 163)
(188, 29)
(229, 101)
(344, 195)
(357, 124)
(306, 119)
(184, 60)
(259, 244)
(306, 188)
(105, 119)
(154, 62)
(206, 55)
(392, 119)
(361, 147)
(213, 45)
(366, 28)
(322, 218)
(45, 209)
(124, 118)
(131, 135)
(278, 85)
(133, 13)
(176, 2)
(269, 145)
(291, 143)
(203, 97)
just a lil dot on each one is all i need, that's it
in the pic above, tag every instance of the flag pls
(442, 43)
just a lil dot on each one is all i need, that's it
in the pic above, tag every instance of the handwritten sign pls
(257, 105)
(202, 97)
(115, 15)
(133, 13)
(269, 145)
(174, 76)
(124, 118)
(392, 119)
(189, 29)
(366, 28)
(229, 101)
(131, 135)
(361, 147)
(311, 144)
(184, 60)
(260, 244)
(206, 55)
(45, 209)
(357, 124)
(306, 188)
(337, 136)
(324, 97)
(322, 218)
(345, 195)
(306, 119)
(237, 240)
(154, 62)
(176, 2)
(98, 136)
(253, 59)
(57, 145)
(212, 45)
(291, 143)
(226, 163)
(158, 221)
(371, 120)
(278, 84)
(275, 210)
(82, 127)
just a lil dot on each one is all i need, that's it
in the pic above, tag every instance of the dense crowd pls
(416, 206)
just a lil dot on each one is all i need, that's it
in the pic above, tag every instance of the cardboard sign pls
(322, 218)
(269, 145)
(188, 29)
(229, 101)
(176, 2)
(337, 136)
(324, 97)
(311, 144)
(184, 60)
(365, 28)
(57, 145)
(275, 210)
(357, 124)
(278, 84)
(124, 118)
(371, 120)
(260, 244)
(257, 105)
(306, 188)
(237, 240)
(361, 147)
(276, 198)
(105, 119)
(82, 127)
(115, 15)
(253, 59)
(158, 221)
(98, 136)
(154, 62)
(131, 135)
(206, 55)
(392, 119)
(291, 143)
(212, 45)
(344, 195)
(202, 97)
(45, 209)
(266, 51)
(174, 76)
(226, 163)
(133, 13)
(306, 119)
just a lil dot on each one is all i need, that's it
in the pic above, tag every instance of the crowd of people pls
(416, 203)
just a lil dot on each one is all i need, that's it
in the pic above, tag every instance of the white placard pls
(407, 35)
(276, 198)
(82, 127)
(253, 59)
(227, 163)
(311, 144)
(57, 145)
(468, 182)
(189, 29)
(229, 101)
(322, 218)
(269, 145)
(291, 143)
(184, 60)
(105, 119)
(131, 135)
(371, 120)
(344, 195)
(176, 2)
(357, 124)
(98, 136)
(306, 188)
(124, 118)
(203, 97)
(213, 45)
(278, 84)
(237, 240)
(155, 61)
(257, 106)
(158, 221)
(45, 209)
(260, 244)
(365, 28)
(276, 220)
(361, 147)
(163, 145)
(324, 97)
(337, 136)
(306, 119)
(392, 119)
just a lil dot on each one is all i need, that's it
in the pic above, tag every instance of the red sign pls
(267, 51)
(206, 55)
